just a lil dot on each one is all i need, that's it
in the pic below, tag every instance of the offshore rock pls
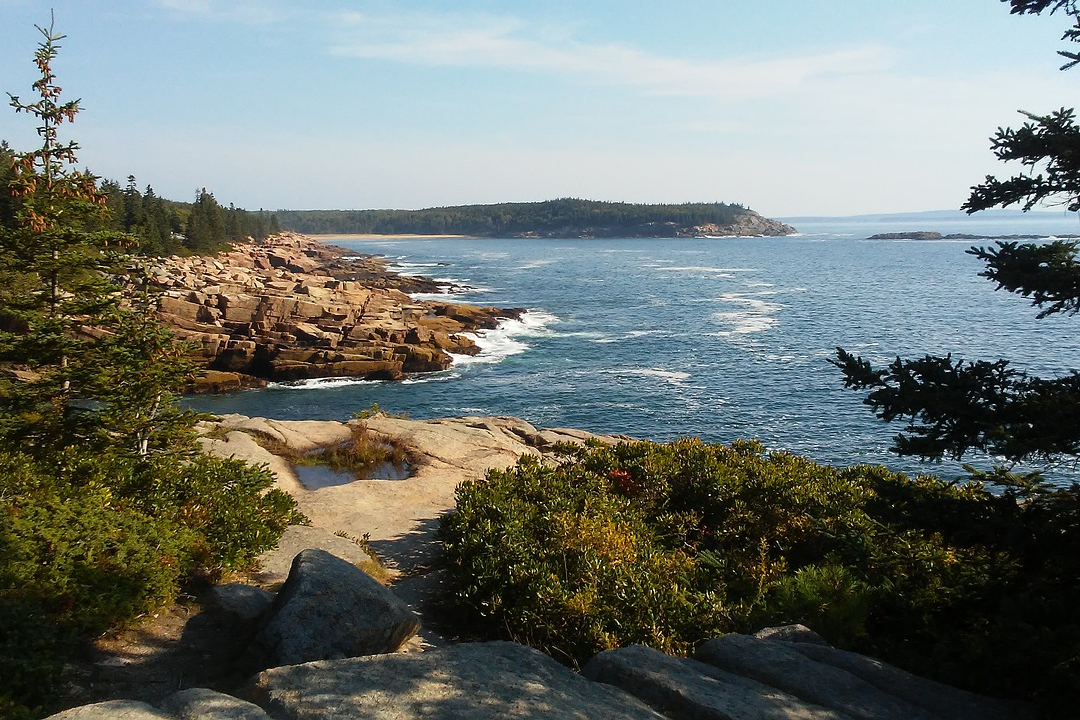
(290, 308)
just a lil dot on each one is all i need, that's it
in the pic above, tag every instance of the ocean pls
(721, 338)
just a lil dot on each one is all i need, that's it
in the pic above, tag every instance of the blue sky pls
(815, 107)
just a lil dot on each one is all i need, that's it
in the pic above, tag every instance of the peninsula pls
(564, 218)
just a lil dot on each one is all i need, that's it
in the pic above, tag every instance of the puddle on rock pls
(318, 476)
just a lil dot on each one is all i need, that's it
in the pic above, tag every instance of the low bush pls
(89, 542)
(670, 544)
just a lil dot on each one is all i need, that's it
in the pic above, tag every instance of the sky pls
(789, 107)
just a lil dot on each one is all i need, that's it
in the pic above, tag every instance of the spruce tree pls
(68, 348)
(955, 406)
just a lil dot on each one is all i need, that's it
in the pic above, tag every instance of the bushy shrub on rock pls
(667, 545)
(91, 541)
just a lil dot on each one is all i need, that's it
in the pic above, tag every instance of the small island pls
(564, 218)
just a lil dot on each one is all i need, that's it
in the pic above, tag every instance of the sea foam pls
(503, 341)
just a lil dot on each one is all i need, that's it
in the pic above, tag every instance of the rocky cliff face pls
(291, 308)
(748, 225)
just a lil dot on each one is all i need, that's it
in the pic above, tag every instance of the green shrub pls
(88, 542)
(669, 544)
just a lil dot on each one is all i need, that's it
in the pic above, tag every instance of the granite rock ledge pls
(292, 308)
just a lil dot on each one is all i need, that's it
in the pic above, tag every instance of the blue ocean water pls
(716, 338)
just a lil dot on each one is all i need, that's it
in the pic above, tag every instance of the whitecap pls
(501, 342)
(532, 265)
(671, 376)
(756, 315)
(631, 335)
(430, 377)
(706, 269)
(319, 383)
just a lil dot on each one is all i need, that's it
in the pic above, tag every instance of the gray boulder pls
(244, 604)
(113, 710)
(472, 680)
(329, 608)
(203, 704)
(943, 701)
(780, 665)
(681, 688)
(791, 633)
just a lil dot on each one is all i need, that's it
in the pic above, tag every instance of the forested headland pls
(566, 217)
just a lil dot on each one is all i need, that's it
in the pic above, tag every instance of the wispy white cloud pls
(509, 43)
(246, 12)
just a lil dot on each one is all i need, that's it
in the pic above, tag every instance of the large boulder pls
(203, 704)
(943, 700)
(329, 608)
(682, 688)
(113, 710)
(472, 680)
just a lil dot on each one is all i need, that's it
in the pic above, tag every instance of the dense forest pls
(154, 225)
(567, 216)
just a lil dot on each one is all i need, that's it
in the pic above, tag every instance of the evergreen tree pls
(68, 345)
(954, 406)
(8, 203)
(205, 229)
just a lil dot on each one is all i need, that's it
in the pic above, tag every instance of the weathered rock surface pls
(291, 308)
(203, 704)
(472, 680)
(791, 633)
(742, 677)
(113, 710)
(682, 688)
(191, 704)
(747, 225)
(855, 685)
(777, 664)
(941, 700)
(328, 608)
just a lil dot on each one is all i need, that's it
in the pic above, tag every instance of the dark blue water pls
(723, 338)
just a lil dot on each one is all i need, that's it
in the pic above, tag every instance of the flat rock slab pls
(779, 664)
(943, 701)
(203, 704)
(682, 688)
(113, 710)
(459, 682)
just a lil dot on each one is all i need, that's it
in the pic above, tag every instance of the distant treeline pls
(570, 216)
(160, 226)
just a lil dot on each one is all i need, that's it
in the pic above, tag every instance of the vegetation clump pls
(670, 544)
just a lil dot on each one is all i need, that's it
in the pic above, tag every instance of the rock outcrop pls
(741, 676)
(749, 224)
(291, 308)
(471, 680)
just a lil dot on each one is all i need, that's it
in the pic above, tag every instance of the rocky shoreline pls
(292, 308)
